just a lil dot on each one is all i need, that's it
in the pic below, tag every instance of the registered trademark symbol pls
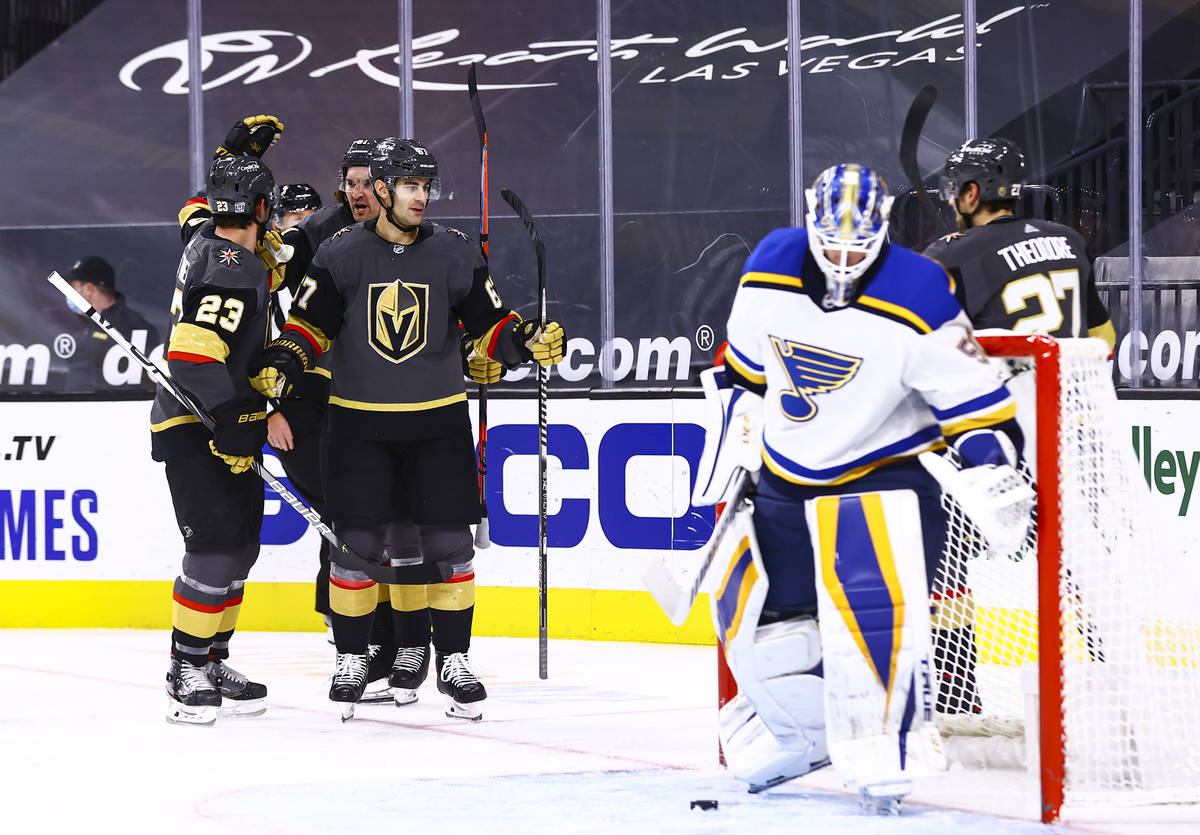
(64, 346)
(705, 338)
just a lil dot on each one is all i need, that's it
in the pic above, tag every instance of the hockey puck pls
(706, 805)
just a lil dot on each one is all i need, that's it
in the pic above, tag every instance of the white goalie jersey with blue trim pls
(890, 375)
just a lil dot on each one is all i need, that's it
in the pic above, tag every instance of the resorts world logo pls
(254, 55)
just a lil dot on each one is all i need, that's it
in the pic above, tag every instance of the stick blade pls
(914, 122)
(674, 599)
(483, 538)
(476, 107)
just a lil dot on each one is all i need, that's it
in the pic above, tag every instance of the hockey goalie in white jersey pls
(863, 360)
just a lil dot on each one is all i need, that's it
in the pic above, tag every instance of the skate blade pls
(242, 708)
(346, 710)
(379, 696)
(457, 710)
(181, 714)
(403, 697)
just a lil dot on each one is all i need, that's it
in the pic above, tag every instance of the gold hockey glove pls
(543, 345)
(274, 254)
(252, 136)
(239, 431)
(477, 366)
(284, 359)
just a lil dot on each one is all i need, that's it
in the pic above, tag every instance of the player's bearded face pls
(410, 198)
(359, 195)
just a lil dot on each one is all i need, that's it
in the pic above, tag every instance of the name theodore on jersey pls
(1034, 250)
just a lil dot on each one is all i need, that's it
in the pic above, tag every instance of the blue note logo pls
(811, 371)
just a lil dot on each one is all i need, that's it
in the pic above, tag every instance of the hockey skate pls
(192, 698)
(408, 672)
(461, 687)
(884, 798)
(349, 682)
(239, 695)
(379, 666)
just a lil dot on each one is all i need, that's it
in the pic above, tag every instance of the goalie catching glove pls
(277, 365)
(251, 136)
(239, 431)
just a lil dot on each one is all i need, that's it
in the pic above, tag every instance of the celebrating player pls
(853, 357)
(398, 445)
(1028, 276)
(296, 202)
(219, 318)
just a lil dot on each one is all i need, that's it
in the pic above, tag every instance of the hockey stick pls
(910, 137)
(378, 573)
(542, 378)
(664, 585)
(482, 533)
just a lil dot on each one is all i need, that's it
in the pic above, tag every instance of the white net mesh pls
(1130, 613)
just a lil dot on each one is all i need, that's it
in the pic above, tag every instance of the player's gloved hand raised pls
(542, 345)
(239, 431)
(252, 136)
(274, 254)
(479, 367)
(282, 360)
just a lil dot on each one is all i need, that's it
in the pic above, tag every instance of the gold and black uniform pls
(219, 318)
(393, 310)
(1030, 276)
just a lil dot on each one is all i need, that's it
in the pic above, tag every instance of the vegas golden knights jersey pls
(219, 321)
(1029, 276)
(393, 310)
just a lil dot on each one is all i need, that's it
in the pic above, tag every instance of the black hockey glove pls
(239, 432)
(542, 345)
(283, 359)
(251, 136)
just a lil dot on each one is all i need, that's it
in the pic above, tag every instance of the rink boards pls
(88, 537)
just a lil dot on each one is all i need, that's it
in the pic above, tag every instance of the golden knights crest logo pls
(399, 315)
(811, 370)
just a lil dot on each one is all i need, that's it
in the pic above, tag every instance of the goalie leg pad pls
(774, 730)
(872, 599)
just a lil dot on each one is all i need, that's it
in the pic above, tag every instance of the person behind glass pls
(96, 281)
(296, 202)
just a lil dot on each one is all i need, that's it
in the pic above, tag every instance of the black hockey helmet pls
(359, 153)
(297, 197)
(397, 159)
(236, 183)
(997, 166)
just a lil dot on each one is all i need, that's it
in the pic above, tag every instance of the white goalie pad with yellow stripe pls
(773, 730)
(873, 603)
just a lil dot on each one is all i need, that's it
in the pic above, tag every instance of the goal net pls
(1077, 655)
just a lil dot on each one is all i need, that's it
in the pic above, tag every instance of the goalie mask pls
(848, 208)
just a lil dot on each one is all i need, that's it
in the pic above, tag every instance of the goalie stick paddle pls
(482, 530)
(672, 594)
(381, 574)
(910, 137)
(542, 377)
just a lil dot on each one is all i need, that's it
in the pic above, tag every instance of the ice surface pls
(621, 738)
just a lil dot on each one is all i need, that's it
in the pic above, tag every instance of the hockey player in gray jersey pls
(1025, 275)
(398, 444)
(219, 316)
